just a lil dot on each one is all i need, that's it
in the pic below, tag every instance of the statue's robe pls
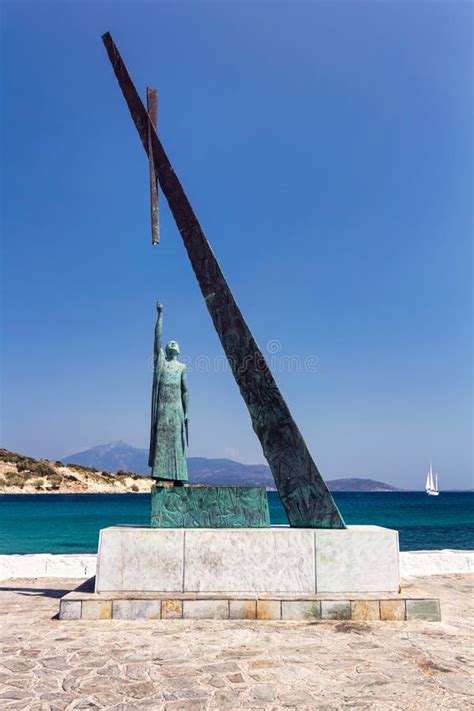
(167, 441)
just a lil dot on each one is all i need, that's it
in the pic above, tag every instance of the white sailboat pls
(431, 486)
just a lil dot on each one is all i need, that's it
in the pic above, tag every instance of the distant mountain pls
(359, 485)
(224, 472)
(112, 457)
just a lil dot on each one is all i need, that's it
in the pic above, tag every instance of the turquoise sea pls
(70, 523)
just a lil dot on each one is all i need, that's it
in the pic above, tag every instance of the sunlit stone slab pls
(250, 560)
(392, 610)
(136, 610)
(423, 610)
(134, 559)
(243, 609)
(206, 609)
(71, 609)
(359, 559)
(335, 610)
(301, 610)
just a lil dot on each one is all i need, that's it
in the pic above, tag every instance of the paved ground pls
(190, 664)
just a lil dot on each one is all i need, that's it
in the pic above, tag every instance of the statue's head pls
(172, 349)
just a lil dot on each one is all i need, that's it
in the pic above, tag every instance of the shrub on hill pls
(14, 479)
(25, 464)
(121, 474)
(13, 457)
(80, 468)
(43, 468)
(69, 477)
(108, 477)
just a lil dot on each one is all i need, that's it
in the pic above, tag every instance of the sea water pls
(70, 523)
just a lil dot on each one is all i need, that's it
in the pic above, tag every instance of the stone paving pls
(48, 665)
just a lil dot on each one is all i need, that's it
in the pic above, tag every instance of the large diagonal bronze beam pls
(304, 494)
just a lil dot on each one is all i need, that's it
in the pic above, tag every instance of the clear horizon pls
(327, 151)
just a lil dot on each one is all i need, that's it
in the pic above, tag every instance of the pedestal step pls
(82, 605)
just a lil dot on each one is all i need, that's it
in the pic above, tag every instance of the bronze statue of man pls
(169, 412)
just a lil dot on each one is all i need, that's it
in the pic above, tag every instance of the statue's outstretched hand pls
(159, 307)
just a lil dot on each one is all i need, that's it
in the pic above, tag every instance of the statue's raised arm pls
(158, 331)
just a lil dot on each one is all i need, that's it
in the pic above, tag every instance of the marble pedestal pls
(259, 561)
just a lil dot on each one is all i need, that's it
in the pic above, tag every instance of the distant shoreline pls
(68, 492)
(20, 474)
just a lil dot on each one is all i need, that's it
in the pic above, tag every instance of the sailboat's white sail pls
(430, 487)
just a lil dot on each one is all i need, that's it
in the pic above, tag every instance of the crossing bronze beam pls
(305, 496)
(152, 110)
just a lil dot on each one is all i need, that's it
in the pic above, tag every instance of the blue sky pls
(327, 150)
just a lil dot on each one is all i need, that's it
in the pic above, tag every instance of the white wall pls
(45, 565)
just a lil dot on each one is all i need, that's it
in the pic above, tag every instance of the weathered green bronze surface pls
(304, 494)
(209, 507)
(169, 410)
